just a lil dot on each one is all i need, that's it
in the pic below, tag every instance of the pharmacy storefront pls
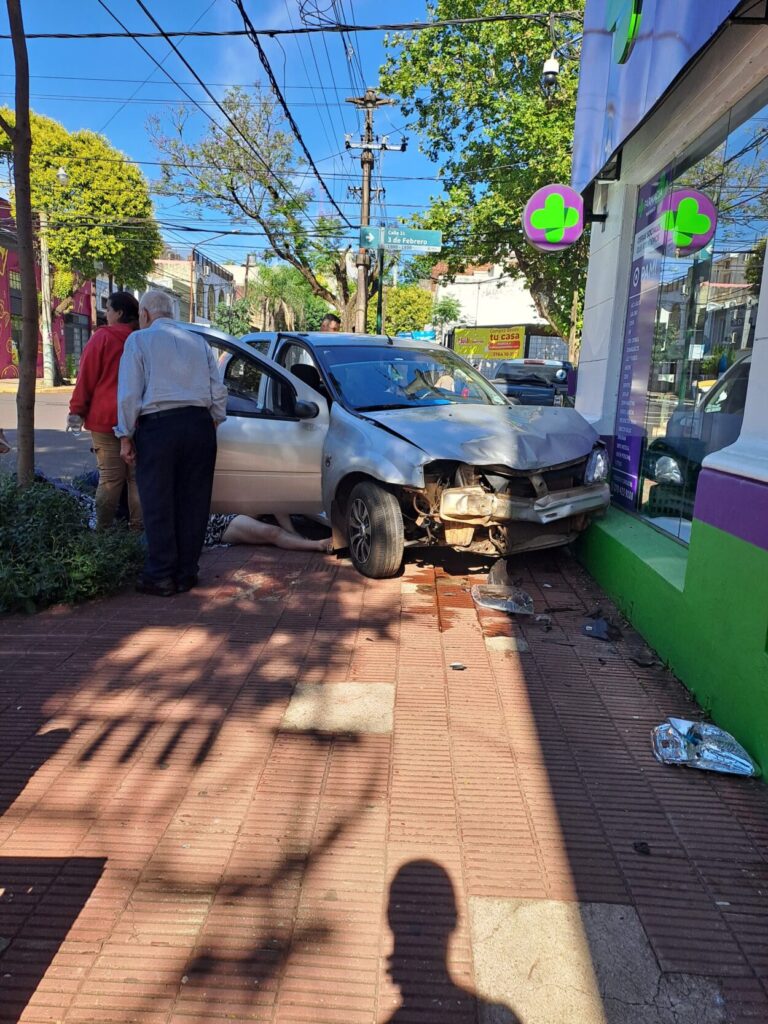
(671, 145)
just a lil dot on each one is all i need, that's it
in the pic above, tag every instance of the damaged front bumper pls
(474, 506)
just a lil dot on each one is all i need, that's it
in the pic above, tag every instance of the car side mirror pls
(306, 410)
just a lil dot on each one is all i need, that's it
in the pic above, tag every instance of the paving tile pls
(272, 800)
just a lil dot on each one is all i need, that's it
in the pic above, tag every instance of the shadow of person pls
(422, 914)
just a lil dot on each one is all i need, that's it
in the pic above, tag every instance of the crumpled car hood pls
(520, 437)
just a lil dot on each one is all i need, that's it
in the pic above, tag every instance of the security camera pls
(549, 75)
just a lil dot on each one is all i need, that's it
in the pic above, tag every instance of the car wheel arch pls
(340, 500)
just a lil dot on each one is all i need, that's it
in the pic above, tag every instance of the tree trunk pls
(22, 148)
(573, 336)
(347, 314)
(542, 299)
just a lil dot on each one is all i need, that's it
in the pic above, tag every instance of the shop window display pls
(691, 325)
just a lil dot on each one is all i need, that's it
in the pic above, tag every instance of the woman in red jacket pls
(94, 401)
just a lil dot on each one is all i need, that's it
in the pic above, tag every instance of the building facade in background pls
(199, 284)
(70, 330)
(674, 359)
(487, 296)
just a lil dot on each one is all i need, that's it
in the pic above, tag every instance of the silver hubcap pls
(360, 531)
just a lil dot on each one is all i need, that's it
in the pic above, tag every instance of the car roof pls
(532, 361)
(339, 339)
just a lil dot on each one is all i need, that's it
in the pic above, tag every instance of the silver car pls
(398, 443)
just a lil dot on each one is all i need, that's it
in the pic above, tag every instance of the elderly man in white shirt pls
(170, 399)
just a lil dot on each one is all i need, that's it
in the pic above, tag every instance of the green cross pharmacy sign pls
(622, 19)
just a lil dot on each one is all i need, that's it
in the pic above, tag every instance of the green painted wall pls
(704, 609)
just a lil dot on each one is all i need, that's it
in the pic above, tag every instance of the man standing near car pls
(331, 324)
(170, 399)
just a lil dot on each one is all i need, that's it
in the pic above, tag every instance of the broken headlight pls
(597, 467)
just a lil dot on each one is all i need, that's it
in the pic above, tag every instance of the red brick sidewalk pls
(200, 824)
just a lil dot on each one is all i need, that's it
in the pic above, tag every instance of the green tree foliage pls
(406, 308)
(236, 319)
(446, 311)
(416, 269)
(496, 138)
(285, 299)
(103, 214)
(219, 170)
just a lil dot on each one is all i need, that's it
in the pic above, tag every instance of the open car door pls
(270, 447)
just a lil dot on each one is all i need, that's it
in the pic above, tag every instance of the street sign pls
(415, 241)
(401, 238)
(370, 238)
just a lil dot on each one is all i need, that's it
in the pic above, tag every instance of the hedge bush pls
(48, 555)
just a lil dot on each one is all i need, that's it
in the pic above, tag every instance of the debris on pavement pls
(457, 666)
(700, 745)
(640, 846)
(503, 599)
(643, 656)
(499, 575)
(601, 629)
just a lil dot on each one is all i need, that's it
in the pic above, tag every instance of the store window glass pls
(691, 325)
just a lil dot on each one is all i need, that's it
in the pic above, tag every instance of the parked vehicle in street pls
(673, 462)
(534, 381)
(397, 443)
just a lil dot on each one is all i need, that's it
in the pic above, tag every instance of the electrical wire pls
(251, 148)
(252, 35)
(328, 130)
(403, 26)
(135, 93)
(259, 86)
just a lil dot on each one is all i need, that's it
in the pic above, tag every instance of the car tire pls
(374, 531)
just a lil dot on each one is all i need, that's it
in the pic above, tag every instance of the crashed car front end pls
(498, 510)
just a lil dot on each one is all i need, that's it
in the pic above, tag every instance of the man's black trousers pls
(175, 459)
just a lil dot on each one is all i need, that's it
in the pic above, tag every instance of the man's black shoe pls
(185, 583)
(162, 588)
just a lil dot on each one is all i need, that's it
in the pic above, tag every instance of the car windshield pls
(373, 377)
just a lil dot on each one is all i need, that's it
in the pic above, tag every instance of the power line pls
(324, 120)
(404, 26)
(149, 76)
(200, 82)
(281, 100)
(120, 99)
(259, 86)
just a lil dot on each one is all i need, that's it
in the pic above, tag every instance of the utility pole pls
(192, 286)
(247, 268)
(368, 144)
(46, 326)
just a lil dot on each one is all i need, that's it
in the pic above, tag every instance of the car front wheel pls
(374, 531)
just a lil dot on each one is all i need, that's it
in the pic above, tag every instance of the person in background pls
(235, 529)
(170, 399)
(94, 403)
(331, 323)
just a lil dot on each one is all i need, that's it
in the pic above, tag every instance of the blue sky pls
(86, 83)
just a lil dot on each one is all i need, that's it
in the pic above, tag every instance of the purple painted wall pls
(615, 98)
(733, 504)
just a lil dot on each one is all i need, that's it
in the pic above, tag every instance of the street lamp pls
(46, 327)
